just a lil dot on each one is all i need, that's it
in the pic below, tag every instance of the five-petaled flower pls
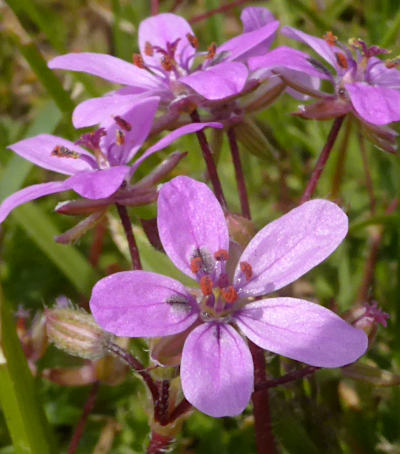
(216, 367)
(101, 174)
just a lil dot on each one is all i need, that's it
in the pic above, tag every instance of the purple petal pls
(302, 331)
(250, 44)
(320, 46)
(379, 74)
(30, 193)
(39, 151)
(217, 370)
(170, 138)
(98, 184)
(285, 57)
(142, 304)
(255, 17)
(98, 110)
(107, 67)
(376, 105)
(290, 246)
(162, 30)
(140, 120)
(219, 81)
(189, 219)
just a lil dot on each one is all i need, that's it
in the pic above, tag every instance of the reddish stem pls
(159, 444)
(87, 409)
(209, 160)
(262, 420)
(161, 408)
(183, 407)
(97, 244)
(323, 158)
(133, 249)
(137, 366)
(244, 200)
(292, 376)
(376, 240)
(155, 7)
(221, 9)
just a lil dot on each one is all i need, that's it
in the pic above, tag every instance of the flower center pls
(219, 295)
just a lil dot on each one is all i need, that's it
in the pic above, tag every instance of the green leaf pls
(24, 415)
(38, 225)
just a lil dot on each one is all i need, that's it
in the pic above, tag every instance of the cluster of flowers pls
(163, 87)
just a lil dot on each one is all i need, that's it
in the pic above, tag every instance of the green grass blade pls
(38, 225)
(46, 76)
(24, 415)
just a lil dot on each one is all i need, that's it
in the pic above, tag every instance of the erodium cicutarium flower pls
(216, 367)
(170, 65)
(101, 171)
(363, 84)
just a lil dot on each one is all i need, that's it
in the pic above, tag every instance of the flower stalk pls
(241, 184)
(260, 398)
(133, 249)
(87, 409)
(209, 160)
(135, 365)
(322, 160)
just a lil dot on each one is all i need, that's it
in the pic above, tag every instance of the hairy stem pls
(244, 199)
(262, 420)
(159, 444)
(183, 407)
(292, 376)
(133, 249)
(87, 409)
(322, 160)
(209, 160)
(137, 366)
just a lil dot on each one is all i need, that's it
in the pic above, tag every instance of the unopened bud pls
(240, 228)
(76, 332)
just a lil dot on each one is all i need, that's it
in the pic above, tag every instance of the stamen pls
(212, 50)
(229, 294)
(120, 137)
(148, 49)
(206, 285)
(63, 152)
(247, 270)
(194, 42)
(167, 63)
(341, 60)
(330, 38)
(196, 264)
(123, 124)
(138, 61)
(221, 255)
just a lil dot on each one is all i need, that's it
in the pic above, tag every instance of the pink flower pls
(103, 173)
(217, 367)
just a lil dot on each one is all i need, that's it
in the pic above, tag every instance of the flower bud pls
(76, 332)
